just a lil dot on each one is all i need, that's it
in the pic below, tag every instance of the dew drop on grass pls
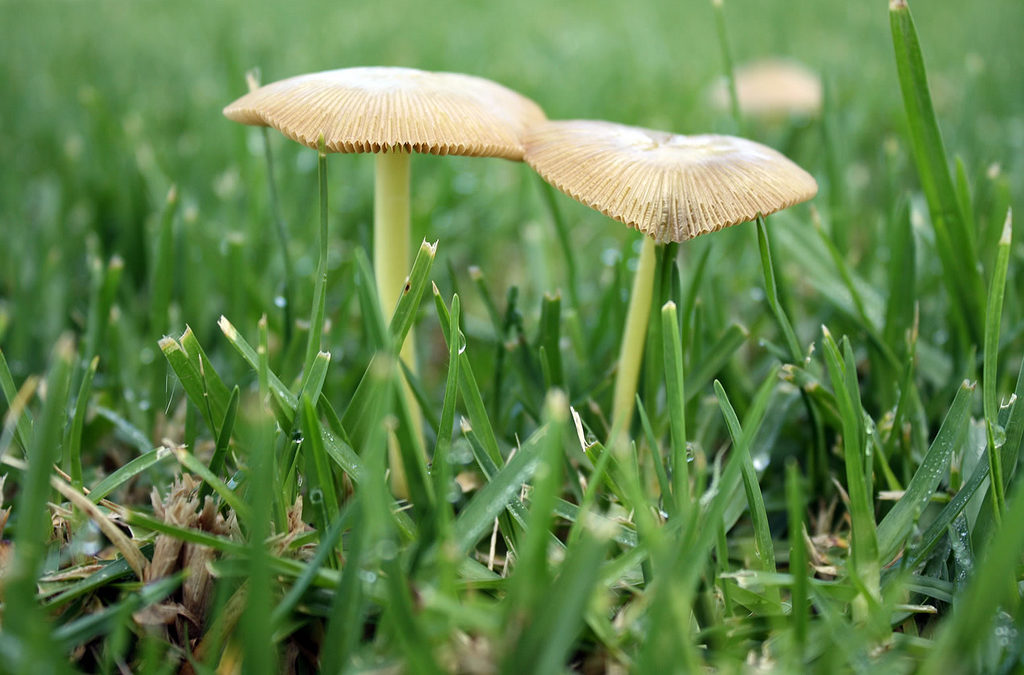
(761, 461)
(609, 257)
(367, 577)
(461, 452)
(316, 496)
(386, 549)
(279, 301)
(144, 404)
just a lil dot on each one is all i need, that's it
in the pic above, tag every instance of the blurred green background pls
(107, 104)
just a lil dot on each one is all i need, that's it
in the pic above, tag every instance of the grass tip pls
(230, 332)
(65, 349)
(556, 404)
(252, 79)
(172, 195)
(968, 385)
(433, 285)
(669, 306)
(895, 5)
(168, 344)
(474, 273)
(116, 263)
(429, 247)
(1004, 240)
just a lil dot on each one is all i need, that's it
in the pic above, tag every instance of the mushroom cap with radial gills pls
(379, 108)
(670, 187)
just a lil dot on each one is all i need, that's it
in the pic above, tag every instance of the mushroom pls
(771, 89)
(671, 188)
(393, 112)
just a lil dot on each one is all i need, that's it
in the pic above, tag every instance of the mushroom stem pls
(391, 251)
(391, 236)
(631, 352)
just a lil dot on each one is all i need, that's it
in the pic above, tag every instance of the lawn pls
(213, 459)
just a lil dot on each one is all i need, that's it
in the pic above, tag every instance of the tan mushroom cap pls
(773, 88)
(670, 187)
(375, 109)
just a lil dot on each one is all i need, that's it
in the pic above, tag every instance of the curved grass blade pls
(898, 523)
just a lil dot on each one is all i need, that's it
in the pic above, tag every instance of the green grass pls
(824, 473)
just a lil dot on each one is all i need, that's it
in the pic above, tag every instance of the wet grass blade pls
(477, 517)
(954, 243)
(765, 547)
(938, 527)
(894, 529)
(675, 390)
(990, 588)
(864, 545)
(323, 496)
(993, 318)
(125, 473)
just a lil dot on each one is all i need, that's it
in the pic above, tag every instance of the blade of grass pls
(126, 472)
(322, 492)
(764, 546)
(10, 391)
(478, 515)
(32, 628)
(259, 654)
(441, 464)
(73, 441)
(409, 302)
(955, 245)
(531, 577)
(993, 318)
(564, 242)
(287, 283)
(896, 526)
(161, 281)
(316, 319)
(223, 441)
(938, 527)
(864, 545)
(991, 587)
(795, 505)
(675, 390)
(230, 497)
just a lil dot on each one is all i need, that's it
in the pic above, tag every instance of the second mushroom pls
(668, 186)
